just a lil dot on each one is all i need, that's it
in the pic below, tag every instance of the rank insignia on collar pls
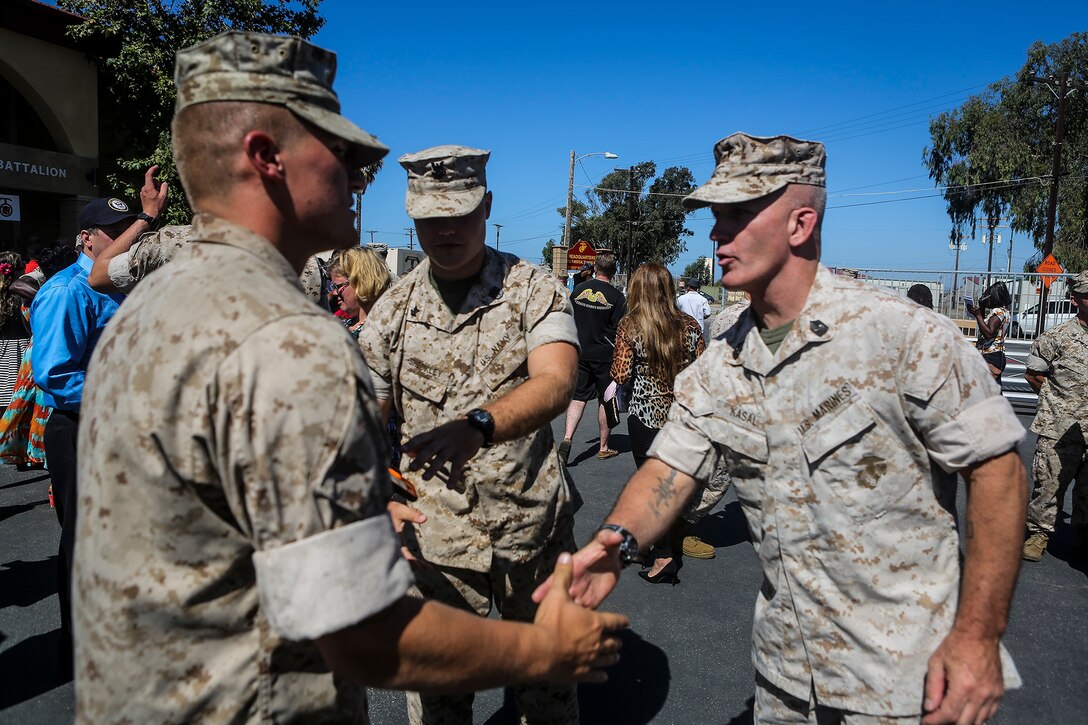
(415, 311)
(818, 327)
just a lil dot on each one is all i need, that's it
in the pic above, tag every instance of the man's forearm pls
(529, 406)
(418, 645)
(993, 529)
(652, 500)
(99, 276)
(1035, 379)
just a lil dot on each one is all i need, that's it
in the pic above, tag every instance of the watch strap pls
(144, 216)
(629, 546)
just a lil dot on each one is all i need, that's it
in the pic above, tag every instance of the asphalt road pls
(686, 657)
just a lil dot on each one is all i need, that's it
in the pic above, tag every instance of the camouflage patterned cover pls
(445, 181)
(436, 366)
(843, 448)
(232, 497)
(750, 167)
(283, 71)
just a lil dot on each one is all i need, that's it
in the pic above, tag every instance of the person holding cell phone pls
(992, 317)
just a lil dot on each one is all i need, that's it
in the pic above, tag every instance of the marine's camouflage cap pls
(280, 70)
(445, 181)
(749, 167)
(1079, 284)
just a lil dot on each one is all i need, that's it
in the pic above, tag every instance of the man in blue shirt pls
(66, 318)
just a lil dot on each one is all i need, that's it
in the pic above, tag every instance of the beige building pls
(48, 124)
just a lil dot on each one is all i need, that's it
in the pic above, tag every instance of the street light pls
(570, 188)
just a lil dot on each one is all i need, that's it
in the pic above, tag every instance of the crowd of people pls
(266, 509)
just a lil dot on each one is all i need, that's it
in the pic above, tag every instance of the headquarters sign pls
(38, 170)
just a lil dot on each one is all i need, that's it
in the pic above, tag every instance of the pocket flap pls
(738, 436)
(833, 431)
(415, 379)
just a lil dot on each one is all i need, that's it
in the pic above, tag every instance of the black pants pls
(60, 450)
(641, 437)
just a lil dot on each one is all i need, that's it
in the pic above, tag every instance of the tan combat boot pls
(696, 548)
(1035, 547)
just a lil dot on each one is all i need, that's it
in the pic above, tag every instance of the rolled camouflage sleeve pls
(302, 441)
(1041, 354)
(686, 442)
(548, 316)
(121, 273)
(951, 398)
(374, 343)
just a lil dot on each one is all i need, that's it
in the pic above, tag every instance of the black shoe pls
(669, 574)
(564, 451)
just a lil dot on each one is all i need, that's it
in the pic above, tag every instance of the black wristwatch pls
(482, 421)
(145, 217)
(628, 547)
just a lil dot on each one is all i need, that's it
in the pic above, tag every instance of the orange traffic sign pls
(1048, 267)
(581, 253)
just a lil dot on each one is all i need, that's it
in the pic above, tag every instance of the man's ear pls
(263, 154)
(487, 205)
(86, 240)
(802, 225)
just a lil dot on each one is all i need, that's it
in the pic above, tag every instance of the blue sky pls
(654, 81)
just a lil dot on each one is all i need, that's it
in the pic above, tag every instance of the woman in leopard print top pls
(654, 342)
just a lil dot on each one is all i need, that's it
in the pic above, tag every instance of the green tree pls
(546, 252)
(994, 152)
(650, 216)
(700, 270)
(136, 84)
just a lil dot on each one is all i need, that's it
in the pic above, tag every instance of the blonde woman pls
(359, 277)
(654, 342)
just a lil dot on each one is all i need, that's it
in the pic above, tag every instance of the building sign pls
(581, 253)
(36, 170)
(9, 208)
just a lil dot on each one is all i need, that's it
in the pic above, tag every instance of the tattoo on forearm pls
(664, 493)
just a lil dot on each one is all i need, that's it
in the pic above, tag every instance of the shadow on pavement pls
(747, 717)
(724, 528)
(25, 481)
(30, 668)
(636, 690)
(6, 512)
(616, 441)
(23, 583)
(1063, 547)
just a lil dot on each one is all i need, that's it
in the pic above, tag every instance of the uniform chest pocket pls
(743, 448)
(423, 384)
(850, 454)
(509, 363)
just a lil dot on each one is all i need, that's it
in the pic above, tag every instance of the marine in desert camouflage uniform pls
(234, 543)
(843, 416)
(477, 351)
(1057, 368)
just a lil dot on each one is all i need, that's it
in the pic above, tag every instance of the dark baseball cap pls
(104, 212)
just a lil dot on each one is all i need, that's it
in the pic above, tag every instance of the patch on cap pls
(750, 167)
(117, 205)
(445, 181)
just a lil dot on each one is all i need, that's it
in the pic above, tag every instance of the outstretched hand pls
(453, 443)
(583, 645)
(401, 515)
(964, 683)
(596, 569)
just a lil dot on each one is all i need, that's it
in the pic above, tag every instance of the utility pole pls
(959, 246)
(1063, 91)
(630, 220)
(570, 202)
(411, 236)
(371, 232)
(359, 215)
(497, 228)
